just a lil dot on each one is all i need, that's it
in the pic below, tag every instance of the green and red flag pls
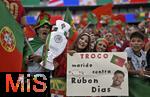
(68, 17)
(11, 42)
(29, 32)
(55, 18)
(91, 18)
(83, 20)
(103, 14)
(118, 17)
(105, 10)
(16, 9)
(118, 60)
(73, 33)
(69, 20)
(118, 22)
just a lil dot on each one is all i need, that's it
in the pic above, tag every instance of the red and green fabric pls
(55, 18)
(119, 17)
(103, 10)
(83, 20)
(69, 20)
(36, 43)
(43, 18)
(16, 9)
(73, 33)
(117, 60)
(68, 17)
(91, 18)
(11, 42)
(118, 22)
(58, 86)
(29, 32)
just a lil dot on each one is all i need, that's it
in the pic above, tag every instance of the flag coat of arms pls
(11, 42)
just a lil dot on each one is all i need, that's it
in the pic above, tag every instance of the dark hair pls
(119, 71)
(75, 46)
(138, 35)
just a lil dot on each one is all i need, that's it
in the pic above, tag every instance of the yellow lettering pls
(14, 9)
(7, 3)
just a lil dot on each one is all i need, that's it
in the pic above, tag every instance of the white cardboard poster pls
(92, 74)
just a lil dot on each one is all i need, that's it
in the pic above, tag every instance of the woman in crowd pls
(82, 43)
(101, 45)
(111, 40)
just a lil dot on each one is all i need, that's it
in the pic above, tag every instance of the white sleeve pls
(129, 52)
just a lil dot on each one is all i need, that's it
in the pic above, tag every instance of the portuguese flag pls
(73, 33)
(105, 10)
(11, 42)
(118, 60)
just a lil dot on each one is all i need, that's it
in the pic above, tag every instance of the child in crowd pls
(136, 57)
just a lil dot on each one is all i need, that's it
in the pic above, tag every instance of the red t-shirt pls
(16, 8)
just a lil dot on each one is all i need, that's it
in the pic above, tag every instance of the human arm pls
(71, 52)
(132, 70)
(35, 58)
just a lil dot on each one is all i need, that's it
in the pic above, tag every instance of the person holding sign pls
(101, 45)
(82, 43)
(118, 78)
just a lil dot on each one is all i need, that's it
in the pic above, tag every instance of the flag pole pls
(45, 50)
(28, 44)
(23, 22)
(30, 47)
(85, 27)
